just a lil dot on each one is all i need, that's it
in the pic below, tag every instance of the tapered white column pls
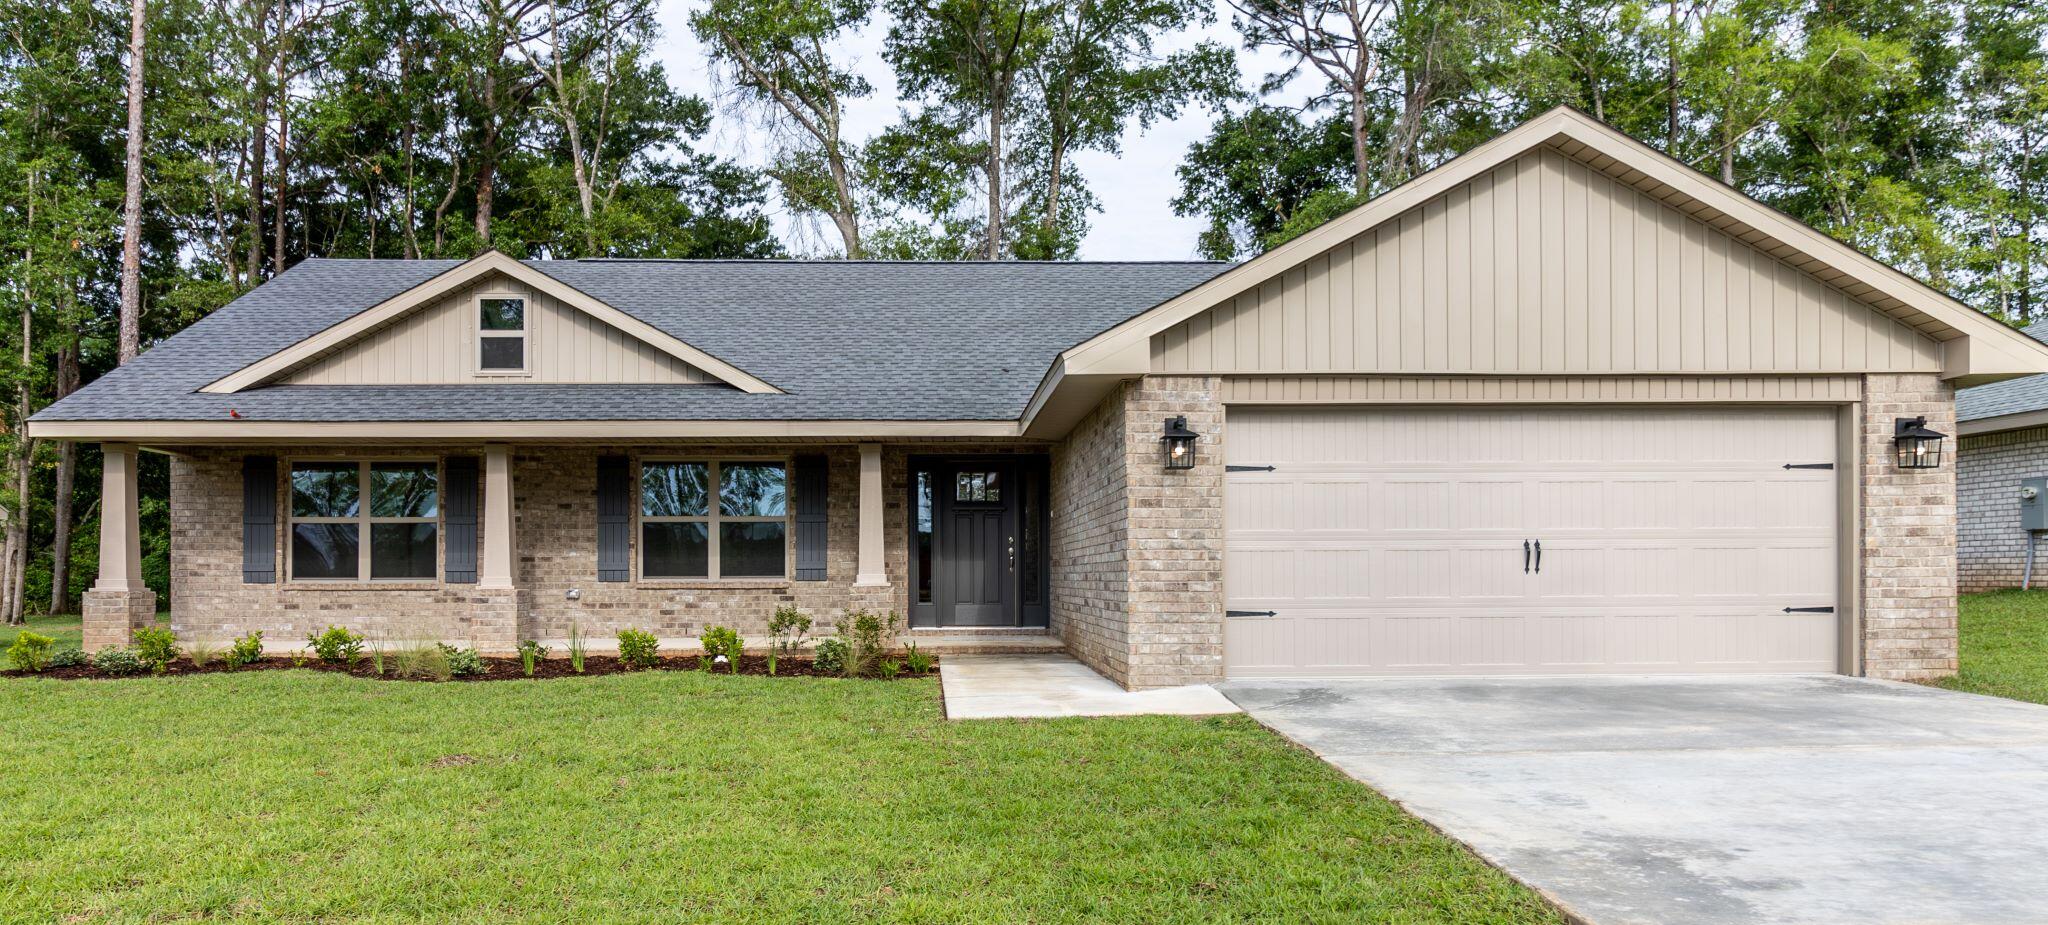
(120, 521)
(498, 539)
(873, 570)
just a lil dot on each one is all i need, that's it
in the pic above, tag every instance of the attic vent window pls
(501, 334)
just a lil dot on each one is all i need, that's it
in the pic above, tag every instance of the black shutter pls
(459, 507)
(614, 519)
(811, 493)
(259, 520)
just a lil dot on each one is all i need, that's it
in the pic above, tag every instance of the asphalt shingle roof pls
(2013, 396)
(845, 340)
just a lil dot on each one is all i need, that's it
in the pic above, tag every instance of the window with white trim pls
(501, 334)
(330, 521)
(714, 520)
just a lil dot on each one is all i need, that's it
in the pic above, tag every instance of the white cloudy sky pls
(1134, 188)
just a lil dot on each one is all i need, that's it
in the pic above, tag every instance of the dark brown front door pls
(975, 544)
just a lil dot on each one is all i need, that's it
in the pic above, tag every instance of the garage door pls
(1531, 541)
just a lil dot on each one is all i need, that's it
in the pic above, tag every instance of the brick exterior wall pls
(1908, 549)
(1991, 549)
(1137, 583)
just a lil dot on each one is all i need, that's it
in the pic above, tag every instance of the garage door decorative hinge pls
(1247, 468)
(1809, 610)
(1809, 465)
(1251, 613)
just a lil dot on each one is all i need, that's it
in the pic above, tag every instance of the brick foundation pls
(1908, 549)
(110, 617)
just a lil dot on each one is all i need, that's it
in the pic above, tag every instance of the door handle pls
(1013, 553)
(1525, 557)
(1539, 557)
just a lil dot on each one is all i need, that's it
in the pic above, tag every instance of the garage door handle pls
(1539, 557)
(1525, 557)
(1809, 610)
(1251, 613)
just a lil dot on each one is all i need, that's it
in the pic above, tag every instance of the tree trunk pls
(283, 180)
(1360, 154)
(993, 250)
(67, 480)
(1671, 85)
(583, 197)
(487, 159)
(1051, 222)
(131, 204)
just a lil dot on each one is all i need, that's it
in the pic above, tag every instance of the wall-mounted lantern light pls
(1919, 448)
(1179, 443)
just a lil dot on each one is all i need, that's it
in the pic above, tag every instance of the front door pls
(975, 566)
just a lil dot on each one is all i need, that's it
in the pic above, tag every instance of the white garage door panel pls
(1390, 541)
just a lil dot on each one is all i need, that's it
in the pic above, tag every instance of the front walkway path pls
(1020, 686)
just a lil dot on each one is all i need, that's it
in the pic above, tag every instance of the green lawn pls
(680, 797)
(62, 629)
(2004, 645)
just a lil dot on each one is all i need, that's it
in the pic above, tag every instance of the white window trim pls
(524, 334)
(712, 518)
(363, 519)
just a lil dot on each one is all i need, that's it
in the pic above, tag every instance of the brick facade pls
(1991, 549)
(1137, 584)
(1908, 550)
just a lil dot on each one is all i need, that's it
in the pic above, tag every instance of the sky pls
(1134, 188)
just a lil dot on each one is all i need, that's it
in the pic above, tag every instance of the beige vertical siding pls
(1543, 266)
(437, 345)
(1569, 389)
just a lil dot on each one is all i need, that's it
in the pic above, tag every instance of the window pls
(714, 520)
(330, 520)
(501, 334)
(978, 488)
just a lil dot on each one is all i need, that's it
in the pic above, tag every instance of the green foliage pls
(68, 657)
(917, 660)
(463, 663)
(117, 660)
(578, 648)
(202, 652)
(786, 631)
(638, 649)
(1255, 172)
(829, 656)
(421, 659)
(157, 647)
(722, 642)
(245, 650)
(889, 668)
(867, 637)
(30, 651)
(531, 654)
(337, 645)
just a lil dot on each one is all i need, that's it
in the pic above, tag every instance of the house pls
(2002, 440)
(1559, 406)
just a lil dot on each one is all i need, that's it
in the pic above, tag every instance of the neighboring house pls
(2003, 438)
(1561, 405)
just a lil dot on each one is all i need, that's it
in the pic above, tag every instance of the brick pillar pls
(119, 602)
(494, 620)
(1909, 535)
(1176, 535)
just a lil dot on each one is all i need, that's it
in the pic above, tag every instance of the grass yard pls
(62, 629)
(680, 797)
(2004, 645)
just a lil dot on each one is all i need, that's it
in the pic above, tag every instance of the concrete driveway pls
(1771, 799)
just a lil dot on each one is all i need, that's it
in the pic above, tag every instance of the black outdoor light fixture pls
(1179, 443)
(1919, 448)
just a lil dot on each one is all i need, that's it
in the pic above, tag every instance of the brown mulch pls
(495, 669)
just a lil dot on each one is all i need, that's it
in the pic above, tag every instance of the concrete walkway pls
(1790, 799)
(1026, 686)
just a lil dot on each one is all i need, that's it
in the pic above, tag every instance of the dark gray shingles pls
(845, 340)
(2013, 396)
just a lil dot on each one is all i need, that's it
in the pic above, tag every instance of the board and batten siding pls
(1560, 389)
(436, 345)
(1543, 266)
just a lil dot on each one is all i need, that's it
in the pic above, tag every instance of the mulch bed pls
(496, 669)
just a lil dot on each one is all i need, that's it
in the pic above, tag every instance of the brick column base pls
(494, 620)
(112, 617)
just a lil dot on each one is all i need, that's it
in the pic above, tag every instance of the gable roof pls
(841, 340)
(1976, 348)
(2008, 405)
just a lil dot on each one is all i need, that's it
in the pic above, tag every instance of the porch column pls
(874, 572)
(496, 572)
(119, 602)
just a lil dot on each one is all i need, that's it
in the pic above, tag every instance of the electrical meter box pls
(2034, 504)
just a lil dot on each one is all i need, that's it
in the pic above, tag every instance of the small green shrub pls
(117, 661)
(917, 660)
(531, 654)
(337, 645)
(245, 650)
(422, 660)
(68, 657)
(638, 649)
(889, 668)
(577, 647)
(723, 642)
(867, 638)
(786, 631)
(30, 652)
(201, 652)
(830, 656)
(156, 647)
(463, 663)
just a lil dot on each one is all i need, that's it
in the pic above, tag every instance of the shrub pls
(786, 631)
(462, 663)
(917, 660)
(830, 656)
(202, 652)
(337, 645)
(117, 661)
(421, 659)
(577, 648)
(245, 650)
(638, 649)
(723, 642)
(156, 647)
(531, 654)
(30, 652)
(889, 668)
(68, 657)
(867, 639)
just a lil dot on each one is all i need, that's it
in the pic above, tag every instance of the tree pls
(131, 202)
(1254, 173)
(1340, 40)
